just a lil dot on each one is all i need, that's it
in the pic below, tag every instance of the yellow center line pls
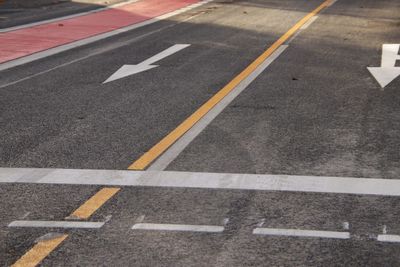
(172, 137)
(38, 252)
(42, 249)
(94, 203)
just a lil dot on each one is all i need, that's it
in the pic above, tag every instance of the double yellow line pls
(42, 249)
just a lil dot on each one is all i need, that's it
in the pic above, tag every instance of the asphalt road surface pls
(251, 130)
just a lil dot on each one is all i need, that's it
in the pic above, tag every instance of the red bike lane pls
(27, 41)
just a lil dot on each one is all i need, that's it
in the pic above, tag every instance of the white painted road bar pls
(260, 182)
(56, 224)
(389, 238)
(301, 233)
(178, 227)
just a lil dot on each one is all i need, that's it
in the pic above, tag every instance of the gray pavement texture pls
(315, 111)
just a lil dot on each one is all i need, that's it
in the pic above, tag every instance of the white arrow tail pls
(127, 70)
(390, 54)
(167, 52)
(388, 71)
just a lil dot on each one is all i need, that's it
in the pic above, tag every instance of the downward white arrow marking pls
(387, 72)
(127, 70)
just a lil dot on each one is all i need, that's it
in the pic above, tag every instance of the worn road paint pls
(227, 181)
(301, 233)
(56, 224)
(178, 227)
(39, 251)
(127, 70)
(148, 157)
(388, 71)
(94, 203)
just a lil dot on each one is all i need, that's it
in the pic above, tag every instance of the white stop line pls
(260, 182)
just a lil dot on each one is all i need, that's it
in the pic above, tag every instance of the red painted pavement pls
(24, 42)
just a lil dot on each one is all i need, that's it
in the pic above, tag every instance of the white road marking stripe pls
(389, 238)
(62, 48)
(56, 224)
(261, 182)
(178, 227)
(168, 156)
(333, 2)
(301, 233)
(302, 28)
(308, 23)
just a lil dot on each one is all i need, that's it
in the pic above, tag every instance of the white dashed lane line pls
(178, 227)
(389, 238)
(301, 233)
(56, 224)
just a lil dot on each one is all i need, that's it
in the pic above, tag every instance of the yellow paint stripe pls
(94, 203)
(38, 252)
(173, 136)
(42, 249)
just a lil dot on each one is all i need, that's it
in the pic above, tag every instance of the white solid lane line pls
(260, 182)
(389, 238)
(178, 227)
(308, 23)
(304, 27)
(56, 224)
(301, 233)
(168, 156)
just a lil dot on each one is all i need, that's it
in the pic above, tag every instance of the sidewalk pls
(27, 41)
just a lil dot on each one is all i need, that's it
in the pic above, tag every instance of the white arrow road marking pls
(388, 71)
(127, 70)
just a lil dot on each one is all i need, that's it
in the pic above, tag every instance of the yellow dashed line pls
(42, 249)
(38, 252)
(94, 203)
